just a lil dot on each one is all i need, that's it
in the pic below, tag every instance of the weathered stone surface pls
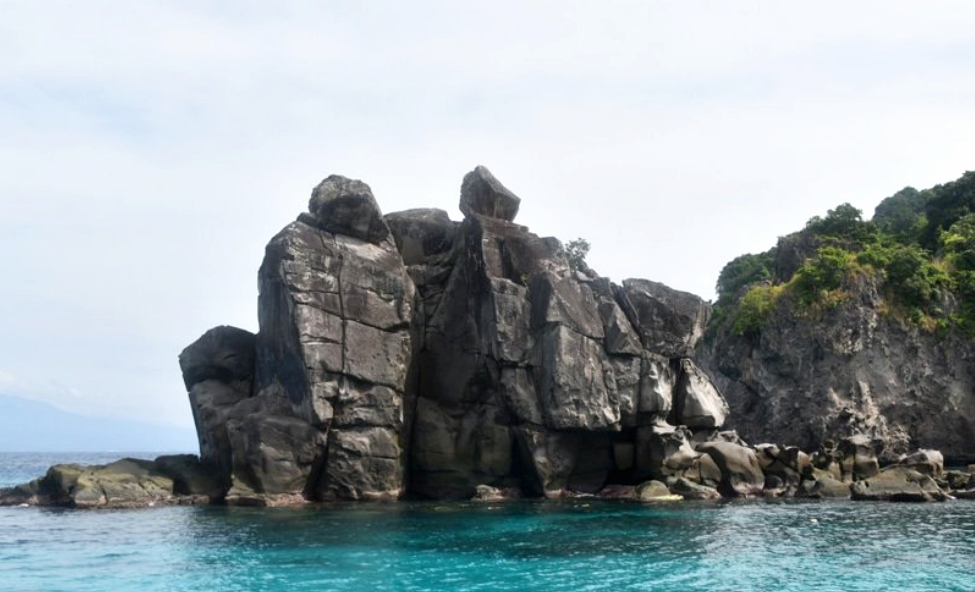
(364, 404)
(509, 338)
(550, 458)
(783, 469)
(213, 403)
(572, 383)
(347, 206)
(336, 307)
(223, 353)
(487, 493)
(658, 380)
(453, 450)
(652, 490)
(189, 476)
(376, 356)
(663, 450)
(697, 404)
(564, 301)
(421, 233)
(955, 480)
(363, 463)
(898, 484)
(858, 456)
(693, 491)
(122, 483)
(852, 370)
(125, 483)
(625, 380)
(670, 322)
(705, 471)
(823, 485)
(519, 395)
(741, 473)
(272, 454)
(926, 462)
(482, 194)
(620, 337)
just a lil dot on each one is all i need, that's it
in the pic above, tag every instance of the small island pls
(411, 356)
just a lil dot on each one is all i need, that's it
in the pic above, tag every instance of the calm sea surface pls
(579, 545)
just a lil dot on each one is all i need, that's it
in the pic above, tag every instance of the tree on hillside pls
(844, 221)
(576, 252)
(902, 214)
(742, 271)
(948, 203)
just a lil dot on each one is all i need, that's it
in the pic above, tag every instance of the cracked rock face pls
(335, 312)
(413, 354)
(531, 375)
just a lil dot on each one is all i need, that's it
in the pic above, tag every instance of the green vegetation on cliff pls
(918, 249)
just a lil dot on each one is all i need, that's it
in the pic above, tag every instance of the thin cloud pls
(151, 149)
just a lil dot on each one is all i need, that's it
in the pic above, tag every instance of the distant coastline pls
(33, 426)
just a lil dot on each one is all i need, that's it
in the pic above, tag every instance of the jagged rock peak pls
(346, 206)
(481, 193)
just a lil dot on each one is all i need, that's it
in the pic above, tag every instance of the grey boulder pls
(223, 353)
(347, 206)
(481, 193)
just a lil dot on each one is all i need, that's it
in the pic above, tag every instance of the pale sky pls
(149, 149)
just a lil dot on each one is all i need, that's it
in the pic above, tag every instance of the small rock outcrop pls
(125, 483)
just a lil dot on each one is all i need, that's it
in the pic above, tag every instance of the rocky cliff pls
(855, 367)
(409, 354)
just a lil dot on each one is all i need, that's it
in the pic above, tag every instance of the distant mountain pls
(32, 426)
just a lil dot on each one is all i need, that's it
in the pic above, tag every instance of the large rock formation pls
(503, 367)
(314, 404)
(531, 374)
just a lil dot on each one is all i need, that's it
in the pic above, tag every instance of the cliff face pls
(850, 369)
(411, 354)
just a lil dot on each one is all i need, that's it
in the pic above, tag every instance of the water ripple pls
(531, 546)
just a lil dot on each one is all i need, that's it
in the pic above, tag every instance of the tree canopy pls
(919, 246)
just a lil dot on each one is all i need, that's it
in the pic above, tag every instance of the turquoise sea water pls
(525, 546)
